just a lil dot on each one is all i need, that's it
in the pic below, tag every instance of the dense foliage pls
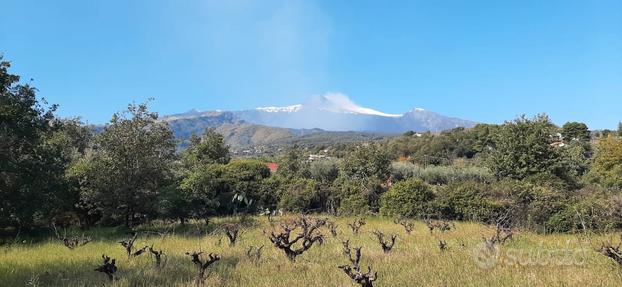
(35, 150)
(129, 163)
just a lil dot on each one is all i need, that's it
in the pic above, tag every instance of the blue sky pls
(487, 61)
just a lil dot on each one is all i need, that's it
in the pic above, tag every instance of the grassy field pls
(527, 260)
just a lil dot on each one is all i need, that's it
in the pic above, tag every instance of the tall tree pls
(210, 148)
(607, 164)
(575, 131)
(245, 178)
(31, 168)
(203, 179)
(291, 164)
(522, 148)
(69, 142)
(201, 187)
(130, 163)
(367, 161)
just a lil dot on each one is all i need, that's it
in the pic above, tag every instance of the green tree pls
(203, 175)
(466, 200)
(607, 164)
(367, 161)
(202, 186)
(245, 178)
(575, 131)
(291, 165)
(443, 148)
(300, 195)
(357, 196)
(325, 171)
(573, 161)
(130, 163)
(32, 165)
(69, 142)
(173, 203)
(522, 148)
(409, 198)
(210, 148)
(620, 129)
(484, 137)
(270, 192)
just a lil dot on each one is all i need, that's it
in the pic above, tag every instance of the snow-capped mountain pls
(339, 103)
(336, 112)
(288, 109)
(330, 112)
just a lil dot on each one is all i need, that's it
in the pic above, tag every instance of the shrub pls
(355, 204)
(244, 179)
(270, 192)
(468, 200)
(366, 161)
(545, 209)
(351, 198)
(324, 170)
(591, 209)
(440, 174)
(607, 166)
(543, 205)
(531, 205)
(299, 195)
(410, 198)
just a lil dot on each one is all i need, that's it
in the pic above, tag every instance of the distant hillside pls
(185, 125)
(330, 112)
(327, 119)
(240, 134)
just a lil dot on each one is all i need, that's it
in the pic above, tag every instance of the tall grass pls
(415, 261)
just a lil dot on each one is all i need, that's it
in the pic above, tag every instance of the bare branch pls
(108, 267)
(128, 244)
(71, 242)
(157, 256)
(355, 260)
(356, 225)
(332, 227)
(309, 235)
(386, 246)
(232, 231)
(202, 265)
(354, 271)
(442, 244)
(439, 225)
(407, 224)
(612, 251)
(503, 231)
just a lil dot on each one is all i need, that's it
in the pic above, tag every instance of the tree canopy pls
(129, 164)
(32, 164)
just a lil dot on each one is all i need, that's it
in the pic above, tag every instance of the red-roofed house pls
(272, 166)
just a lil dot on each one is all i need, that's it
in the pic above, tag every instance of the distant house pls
(558, 144)
(272, 166)
(323, 154)
(314, 157)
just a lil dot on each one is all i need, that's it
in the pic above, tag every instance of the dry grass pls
(416, 260)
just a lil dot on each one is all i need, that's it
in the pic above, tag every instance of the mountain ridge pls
(328, 115)
(337, 112)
